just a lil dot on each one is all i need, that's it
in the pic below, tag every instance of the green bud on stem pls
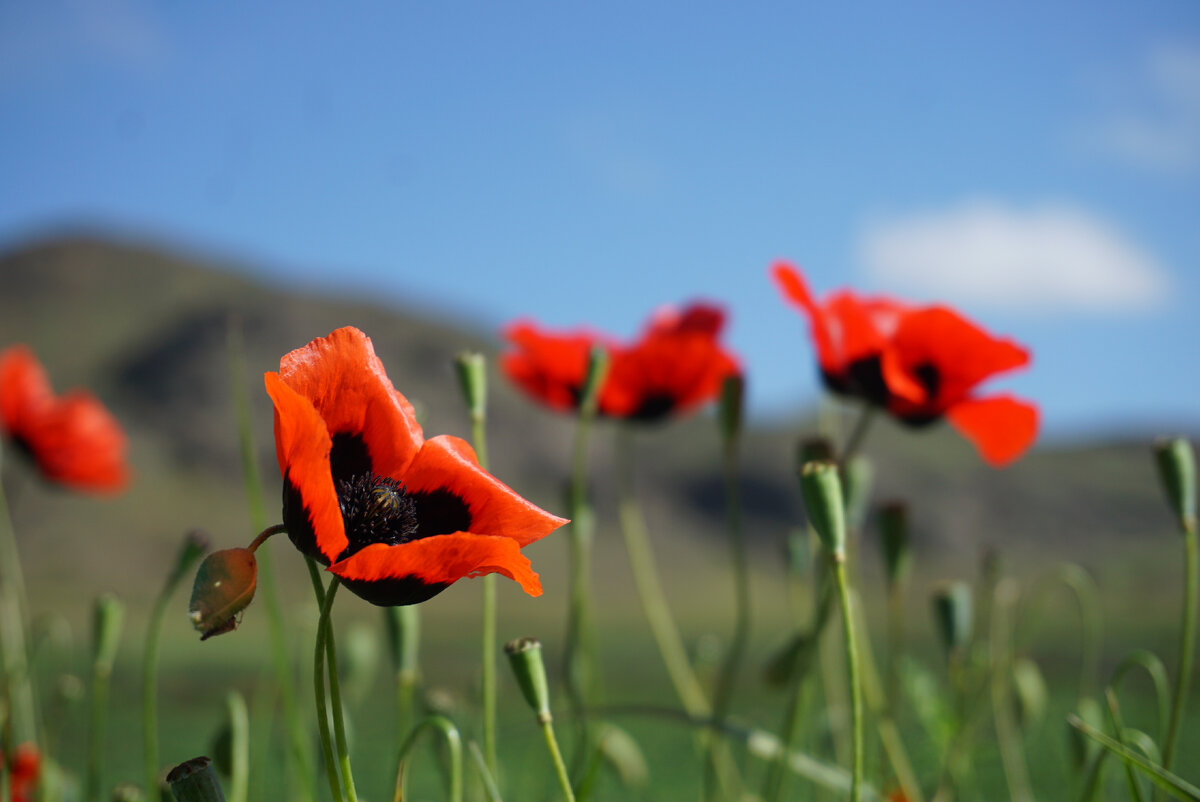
(952, 614)
(472, 378)
(822, 490)
(893, 536)
(1177, 472)
(225, 585)
(525, 656)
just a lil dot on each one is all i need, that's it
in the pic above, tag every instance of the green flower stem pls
(1187, 640)
(404, 624)
(856, 702)
(797, 709)
(454, 747)
(13, 629)
(727, 678)
(239, 747)
(490, 790)
(335, 692)
(560, 768)
(1016, 772)
(857, 435)
(108, 620)
(1118, 727)
(267, 589)
(579, 663)
(335, 701)
(654, 602)
(191, 553)
(331, 765)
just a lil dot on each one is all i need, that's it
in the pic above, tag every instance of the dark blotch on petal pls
(930, 378)
(393, 592)
(348, 457)
(866, 380)
(654, 407)
(298, 522)
(440, 512)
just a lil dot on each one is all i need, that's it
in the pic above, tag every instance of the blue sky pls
(1035, 163)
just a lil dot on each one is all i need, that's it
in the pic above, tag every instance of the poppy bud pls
(403, 626)
(822, 490)
(952, 614)
(525, 655)
(108, 617)
(472, 378)
(893, 536)
(195, 780)
(814, 449)
(730, 411)
(225, 585)
(1030, 692)
(1177, 471)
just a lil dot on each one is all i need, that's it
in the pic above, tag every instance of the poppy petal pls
(24, 387)
(549, 367)
(77, 442)
(939, 342)
(1000, 427)
(439, 560)
(302, 446)
(791, 283)
(448, 464)
(345, 382)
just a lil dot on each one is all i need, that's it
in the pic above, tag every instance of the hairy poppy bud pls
(893, 536)
(822, 491)
(952, 614)
(1177, 471)
(108, 616)
(224, 587)
(472, 379)
(525, 655)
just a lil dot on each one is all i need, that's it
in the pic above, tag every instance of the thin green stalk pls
(453, 745)
(798, 703)
(193, 549)
(404, 631)
(650, 592)
(490, 790)
(1187, 639)
(1007, 737)
(239, 747)
(108, 619)
(267, 587)
(13, 617)
(855, 440)
(472, 375)
(856, 703)
(1117, 723)
(727, 678)
(335, 696)
(579, 662)
(331, 765)
(560, 768)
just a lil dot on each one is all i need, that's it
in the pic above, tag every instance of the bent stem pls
(1187, 638)
(856, 702)
(13, 615)
(650, 592)
(453, 745)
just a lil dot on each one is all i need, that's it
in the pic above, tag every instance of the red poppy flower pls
(676, 365)
(396, 517)
(73, 439)
(23, 769)
(919, 363)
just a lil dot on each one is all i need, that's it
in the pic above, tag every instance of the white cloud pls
(1157, 125)
(1050, 258)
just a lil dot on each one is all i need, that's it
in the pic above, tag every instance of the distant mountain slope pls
(147, 330)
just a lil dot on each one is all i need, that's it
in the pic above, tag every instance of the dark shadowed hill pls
(147, 330)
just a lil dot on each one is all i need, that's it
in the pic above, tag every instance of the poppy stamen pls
(376, 509)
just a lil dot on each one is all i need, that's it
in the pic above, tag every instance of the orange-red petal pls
(302, 446)
(791, 283)
(449, 463)
(1000, 427)
(441, 560)
(547, 366)
(962, 353)
(346, 383)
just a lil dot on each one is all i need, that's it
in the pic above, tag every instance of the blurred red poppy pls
(918, 363)
(396, 517)
(24, 767)
(676, 365)
(72, 439)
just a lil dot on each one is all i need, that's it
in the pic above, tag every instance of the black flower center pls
(376, 509)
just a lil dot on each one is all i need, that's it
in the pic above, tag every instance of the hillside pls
(146, 329)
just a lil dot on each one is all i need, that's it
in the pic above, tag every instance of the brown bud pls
(224, 587)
